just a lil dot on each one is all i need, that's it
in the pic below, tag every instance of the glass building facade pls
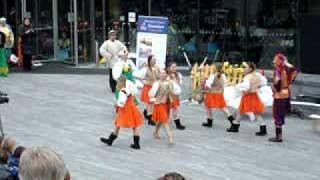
(234, 30)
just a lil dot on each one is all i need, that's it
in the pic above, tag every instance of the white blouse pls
(118, 68)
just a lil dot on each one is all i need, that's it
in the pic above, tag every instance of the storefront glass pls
(40, 13)
(271, 29)
(233, 30)
(65, 31)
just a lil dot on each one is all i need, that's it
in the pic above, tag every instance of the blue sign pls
(153, 24)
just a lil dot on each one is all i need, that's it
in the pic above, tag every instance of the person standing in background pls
(110, 50)
(26, 34)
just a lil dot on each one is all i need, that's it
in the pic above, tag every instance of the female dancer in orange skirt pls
(128, 115)
(175, 103)
(161, 94)
(149, 74)
(213, 97)
(250, 101)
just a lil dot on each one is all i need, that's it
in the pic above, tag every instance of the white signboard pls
(151, 39)
(132, 17)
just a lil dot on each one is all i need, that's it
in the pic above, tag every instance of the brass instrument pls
(200, 73)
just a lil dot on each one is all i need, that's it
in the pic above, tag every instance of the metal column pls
(93, 32)
(75, 21)
(55, 29)
(149, 7)
(246, 21)
(23, 9)
(104, 24)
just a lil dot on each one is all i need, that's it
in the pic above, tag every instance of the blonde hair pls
(121, 82)
(8, 144)
(41, 163)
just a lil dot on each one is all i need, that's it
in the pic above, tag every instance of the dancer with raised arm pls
(281, 95)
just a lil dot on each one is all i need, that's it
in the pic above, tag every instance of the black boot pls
(263, 131)
(110, 140)
(208, 123)
(278, 137)
(234, 128)
(136, 140)
(145, 114)
(179, 125)
(150, 122)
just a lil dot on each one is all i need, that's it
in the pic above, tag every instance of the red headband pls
(281, 57)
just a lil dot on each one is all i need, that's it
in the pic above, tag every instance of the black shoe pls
(110, 140)
(179, 125)
(234, 128)
(275, 139)
(150, 122)
(136, 140)
(145, 114)
(262, 132)
(208, 123)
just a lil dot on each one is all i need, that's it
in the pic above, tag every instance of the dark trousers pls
(112, 82)
(280, 109)
(27, 61)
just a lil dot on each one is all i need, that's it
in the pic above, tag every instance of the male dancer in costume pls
(281, 95)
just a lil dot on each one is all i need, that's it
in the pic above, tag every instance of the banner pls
(151, 39)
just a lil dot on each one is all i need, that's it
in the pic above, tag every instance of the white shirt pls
(211, 78)
(110, 51)
(130, 89)
(245, 85)
(118, 68)
(155, 87)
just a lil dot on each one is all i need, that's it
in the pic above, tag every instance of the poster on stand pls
(151, 39)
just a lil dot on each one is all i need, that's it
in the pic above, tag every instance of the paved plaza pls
(71, 112)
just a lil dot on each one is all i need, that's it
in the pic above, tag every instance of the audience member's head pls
(41, 163)
(18, 152)
(8, 144)
(67, 177)
(3, 157)
(172, 176)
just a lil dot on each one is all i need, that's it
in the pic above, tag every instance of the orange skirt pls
(214, 100)
(145, 93)
(250, 102)
(160, 113)
(129, 115)
(175, 103)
